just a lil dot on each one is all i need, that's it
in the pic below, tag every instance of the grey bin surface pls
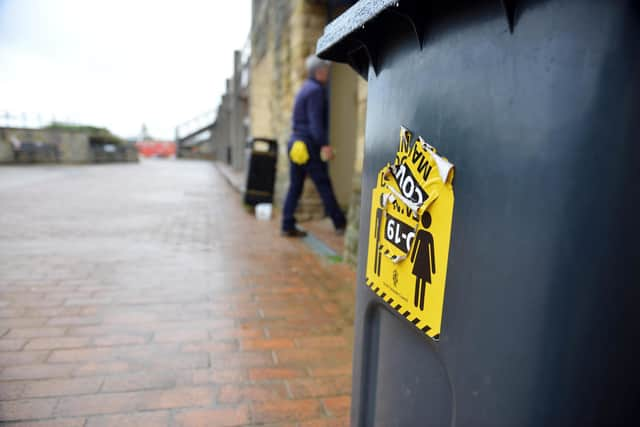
(537, 103)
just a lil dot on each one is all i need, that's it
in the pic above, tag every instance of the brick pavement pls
(146, 295)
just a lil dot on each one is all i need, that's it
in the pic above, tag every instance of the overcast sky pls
(119, 63)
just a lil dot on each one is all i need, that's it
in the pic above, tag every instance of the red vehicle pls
(156, 148)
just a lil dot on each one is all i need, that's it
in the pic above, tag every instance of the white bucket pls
(263, 211)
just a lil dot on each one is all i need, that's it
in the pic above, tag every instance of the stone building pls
(283, 34)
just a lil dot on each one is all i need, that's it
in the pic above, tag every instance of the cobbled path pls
(145, 295)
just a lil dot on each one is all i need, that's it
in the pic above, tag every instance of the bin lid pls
(345, 38)
(353, 38)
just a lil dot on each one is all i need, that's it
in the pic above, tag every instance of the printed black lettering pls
(390, 224)
(415, 155)
(408, 187)
(399, 234)
(426, 167)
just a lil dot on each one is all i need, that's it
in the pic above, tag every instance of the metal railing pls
(199, 122)
(31, 120)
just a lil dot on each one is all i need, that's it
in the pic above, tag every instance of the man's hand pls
(326, 153)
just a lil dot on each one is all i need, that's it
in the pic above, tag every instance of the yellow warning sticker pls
(410, 231)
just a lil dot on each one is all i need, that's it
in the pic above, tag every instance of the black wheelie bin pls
(261, 173)
(537, 105)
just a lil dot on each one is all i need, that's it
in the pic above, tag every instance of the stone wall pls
(26, 135)
(6, 153)
(261, 87)
(237, 114)
(221, 132)
(260, 95)
(73, 147)
(284, 33)
(131, 154)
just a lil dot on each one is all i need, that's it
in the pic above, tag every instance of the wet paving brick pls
(145, 294)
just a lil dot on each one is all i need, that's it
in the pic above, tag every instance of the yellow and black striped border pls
(406, 312)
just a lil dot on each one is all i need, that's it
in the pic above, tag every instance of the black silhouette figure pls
(379, 215)
(425, 264)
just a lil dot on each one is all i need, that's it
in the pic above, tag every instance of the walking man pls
(309, 148)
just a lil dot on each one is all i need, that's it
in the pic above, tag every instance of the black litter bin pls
(261, 173)
(537, 104)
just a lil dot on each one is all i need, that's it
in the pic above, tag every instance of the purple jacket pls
(310, 117)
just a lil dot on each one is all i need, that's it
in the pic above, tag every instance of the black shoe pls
(293, 233)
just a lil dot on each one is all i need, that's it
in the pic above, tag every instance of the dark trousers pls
(319, 173)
